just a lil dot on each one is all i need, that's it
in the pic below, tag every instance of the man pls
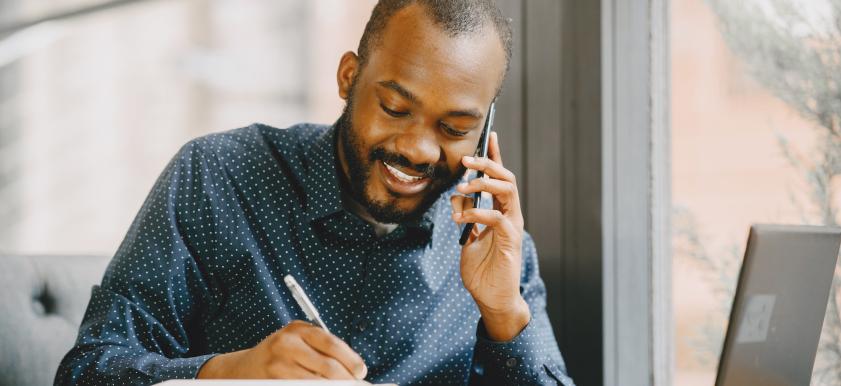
(365, 214)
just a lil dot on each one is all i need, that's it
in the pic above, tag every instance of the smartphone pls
(481, 151)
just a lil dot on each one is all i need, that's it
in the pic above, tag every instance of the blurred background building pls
(93, 105)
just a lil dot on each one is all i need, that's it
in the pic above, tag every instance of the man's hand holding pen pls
(491, 259)
(299, 350)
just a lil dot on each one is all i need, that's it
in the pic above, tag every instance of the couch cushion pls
(42, 301)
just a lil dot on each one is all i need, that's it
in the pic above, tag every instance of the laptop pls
(779, 307)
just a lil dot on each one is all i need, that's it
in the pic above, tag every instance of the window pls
(755, 119)
(93, 106)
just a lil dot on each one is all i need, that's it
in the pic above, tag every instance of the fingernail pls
(468, 158)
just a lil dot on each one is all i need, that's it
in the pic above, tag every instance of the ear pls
(348, 67)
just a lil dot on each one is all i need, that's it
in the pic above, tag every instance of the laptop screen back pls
(779, 307)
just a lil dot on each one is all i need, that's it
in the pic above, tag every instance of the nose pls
(419, 146)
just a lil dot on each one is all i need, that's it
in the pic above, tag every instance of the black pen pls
(481, 151)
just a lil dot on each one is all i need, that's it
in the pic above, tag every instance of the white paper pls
(232, 382)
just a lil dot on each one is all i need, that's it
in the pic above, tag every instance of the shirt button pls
(511, 362)
(361, 326)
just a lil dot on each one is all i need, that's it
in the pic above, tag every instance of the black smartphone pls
(481, 151)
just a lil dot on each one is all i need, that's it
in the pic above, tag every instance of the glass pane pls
(756, 124)
(17, 11)
(92, 108)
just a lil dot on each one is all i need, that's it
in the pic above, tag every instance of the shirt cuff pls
(184, 368)
(524, 360)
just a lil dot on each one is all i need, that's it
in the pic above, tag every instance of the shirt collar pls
(323, 187)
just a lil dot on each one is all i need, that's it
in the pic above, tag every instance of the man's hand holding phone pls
(491, 260)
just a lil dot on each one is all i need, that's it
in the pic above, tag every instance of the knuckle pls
(280, 337)
(282, 346)
(331, 346)
(498, 216)
(510, 188)
(478, 183)
(294, 326)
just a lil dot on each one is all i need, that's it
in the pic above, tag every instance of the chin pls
(386, 208)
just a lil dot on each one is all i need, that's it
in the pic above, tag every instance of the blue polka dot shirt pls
(201, 270)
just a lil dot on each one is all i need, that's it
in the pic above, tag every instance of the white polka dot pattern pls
(200, 273)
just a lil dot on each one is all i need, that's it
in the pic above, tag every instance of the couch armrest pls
(42, 301)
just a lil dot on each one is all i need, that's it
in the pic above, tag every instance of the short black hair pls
(456, 17)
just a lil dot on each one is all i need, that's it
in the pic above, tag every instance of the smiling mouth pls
(402, 183)
(403, 177)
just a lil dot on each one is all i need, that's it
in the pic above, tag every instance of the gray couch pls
(42, 301)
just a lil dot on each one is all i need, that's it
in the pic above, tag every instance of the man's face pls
(413, 111)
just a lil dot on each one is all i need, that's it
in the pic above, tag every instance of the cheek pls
(454, 154)
(371, 129)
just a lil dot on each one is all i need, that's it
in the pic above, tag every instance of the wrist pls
(217, 366)
(210, 369)
(505, 325)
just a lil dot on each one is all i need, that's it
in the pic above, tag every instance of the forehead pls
(424, 58)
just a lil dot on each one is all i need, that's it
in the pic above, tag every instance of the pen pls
(482, 151)
(304, 301)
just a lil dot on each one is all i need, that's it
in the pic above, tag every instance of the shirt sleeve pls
(136, 329)
(532, 357)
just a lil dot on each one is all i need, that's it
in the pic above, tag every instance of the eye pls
(453, 131)
(396, 114)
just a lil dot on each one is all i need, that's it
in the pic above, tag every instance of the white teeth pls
(400, 175)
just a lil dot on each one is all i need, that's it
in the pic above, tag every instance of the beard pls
(360, 165)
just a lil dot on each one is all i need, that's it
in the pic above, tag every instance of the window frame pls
(595, 129)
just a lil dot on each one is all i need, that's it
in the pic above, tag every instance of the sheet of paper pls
(195, 382)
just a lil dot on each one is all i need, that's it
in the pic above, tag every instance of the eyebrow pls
(392, 85)
(396, 87)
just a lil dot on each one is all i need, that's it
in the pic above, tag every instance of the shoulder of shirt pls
(256, 142)
(288, 142)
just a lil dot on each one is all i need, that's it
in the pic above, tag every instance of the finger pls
(503, 191)
(460, 203)
(493, 148)
(333, 347)
(489, 167)
(488, 217)
(474, 233)
(321, 365)
(291, 356)
(291, 371)
(504, 194)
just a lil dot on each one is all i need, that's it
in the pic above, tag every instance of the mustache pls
(426, 170)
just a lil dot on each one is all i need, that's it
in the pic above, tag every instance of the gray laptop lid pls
(779, 307)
